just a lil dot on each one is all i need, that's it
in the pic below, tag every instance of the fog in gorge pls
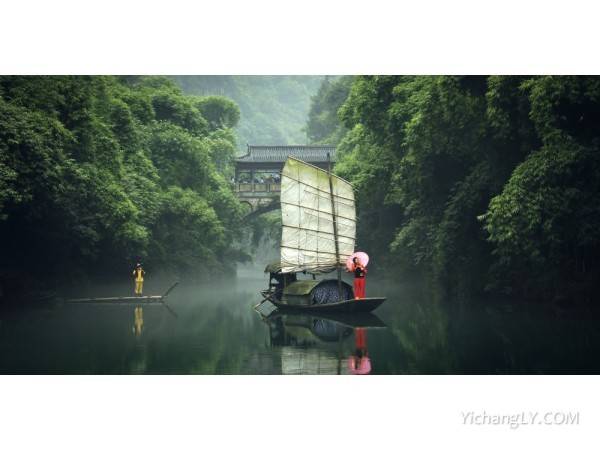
(475, 201)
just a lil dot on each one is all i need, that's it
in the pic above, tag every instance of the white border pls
(308, 37)
(299, 37)
(296, 412)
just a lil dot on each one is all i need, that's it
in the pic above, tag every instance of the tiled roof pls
(279, 153)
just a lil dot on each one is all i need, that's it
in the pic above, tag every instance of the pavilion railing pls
(257, 187)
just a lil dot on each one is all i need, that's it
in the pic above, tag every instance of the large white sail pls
(307, 241)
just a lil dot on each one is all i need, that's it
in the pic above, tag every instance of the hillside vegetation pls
(98, 172)
(485, 182)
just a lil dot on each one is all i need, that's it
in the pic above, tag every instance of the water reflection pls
(216, 331)
(321, 345)
(359, 363)
(138, 321)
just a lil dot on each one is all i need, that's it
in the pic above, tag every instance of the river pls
(213, 329)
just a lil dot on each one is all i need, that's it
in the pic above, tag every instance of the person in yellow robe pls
(138, 274)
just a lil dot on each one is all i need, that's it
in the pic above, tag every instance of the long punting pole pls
(335, 233)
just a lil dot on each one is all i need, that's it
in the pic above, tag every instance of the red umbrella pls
(362, 257)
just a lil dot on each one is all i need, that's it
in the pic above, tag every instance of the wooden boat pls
(318, 218)
(363, 305)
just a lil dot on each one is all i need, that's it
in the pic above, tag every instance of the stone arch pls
(248, 204)
(263, 207)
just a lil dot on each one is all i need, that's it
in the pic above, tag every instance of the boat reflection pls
(322, 345)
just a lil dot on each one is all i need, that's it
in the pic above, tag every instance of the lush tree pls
(482, 181)
(323, 125)
(272, 109)
(544, 224)
(96, 172)
(219, 111)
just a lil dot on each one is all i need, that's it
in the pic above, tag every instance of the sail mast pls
(335, 231)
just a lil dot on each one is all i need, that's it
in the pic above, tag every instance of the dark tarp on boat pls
(301, 287)
(321, 292)
(327, 292)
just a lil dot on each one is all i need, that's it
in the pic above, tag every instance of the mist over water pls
(153, 180)
(211, 328)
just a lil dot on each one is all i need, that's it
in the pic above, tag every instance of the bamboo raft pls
(144, 299)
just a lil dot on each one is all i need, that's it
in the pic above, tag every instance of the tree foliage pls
(96, 172)
(482, 181)
(273, 109)
(323, 125)
(220, 112)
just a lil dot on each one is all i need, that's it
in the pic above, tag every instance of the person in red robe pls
(360, 273)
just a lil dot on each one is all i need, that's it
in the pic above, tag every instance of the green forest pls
(484, 183)
(273, 108)
(99, 172)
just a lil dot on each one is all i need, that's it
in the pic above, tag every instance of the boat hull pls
(346, 306)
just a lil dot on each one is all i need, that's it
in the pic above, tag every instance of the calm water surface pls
(214, 330)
